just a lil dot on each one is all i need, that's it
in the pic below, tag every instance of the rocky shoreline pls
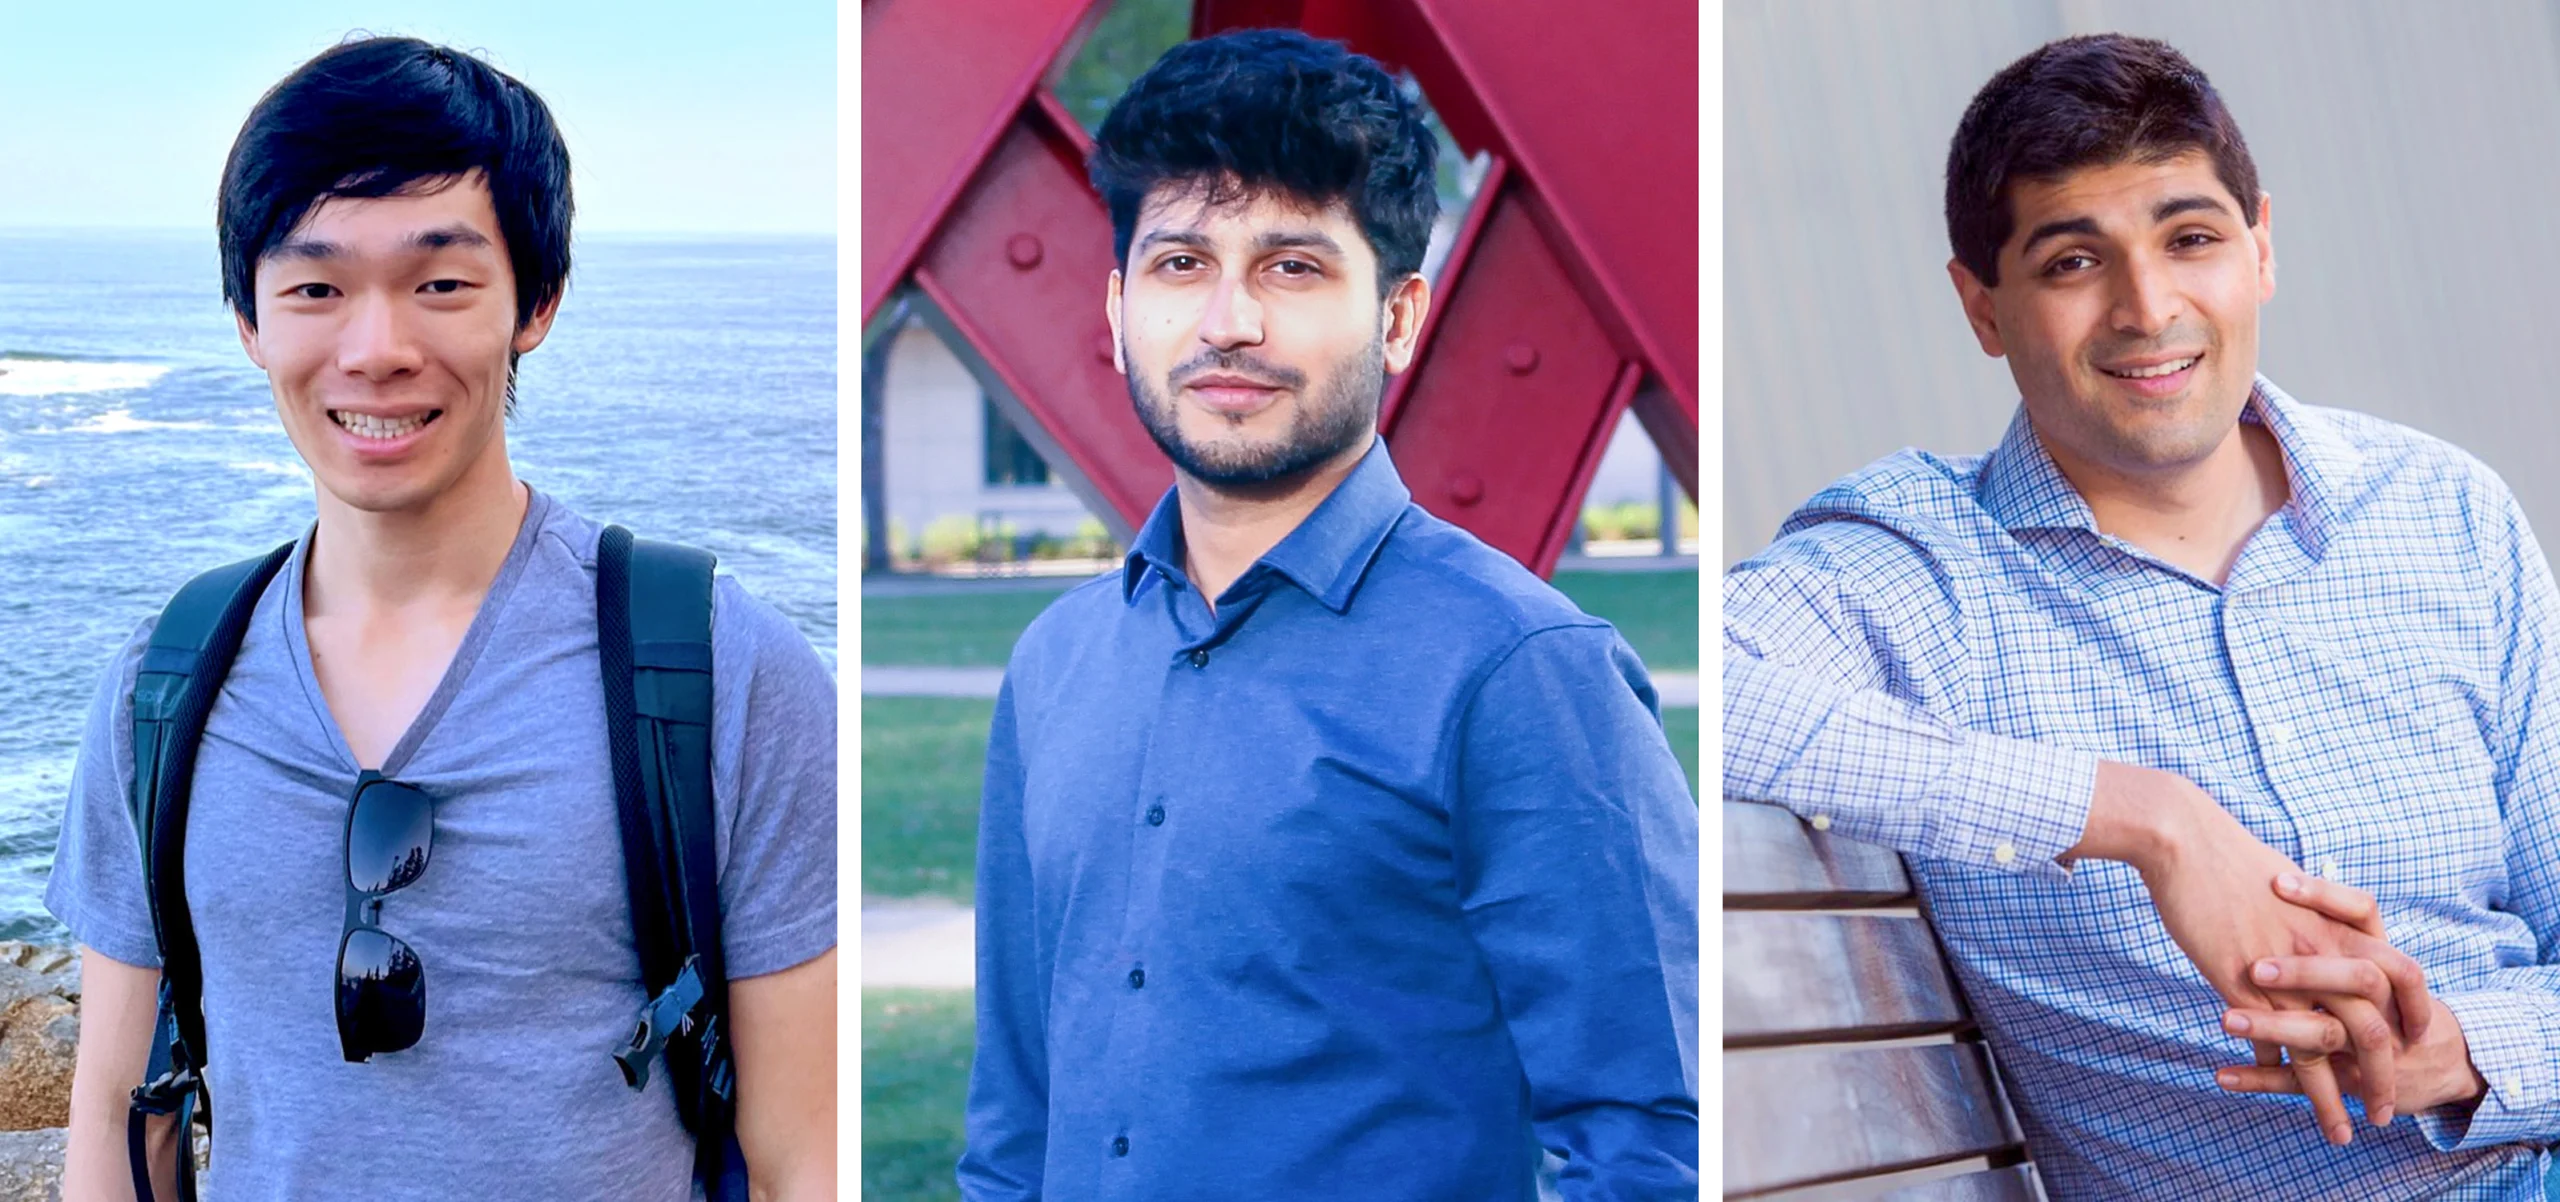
(39, 1039)
(39, 1044)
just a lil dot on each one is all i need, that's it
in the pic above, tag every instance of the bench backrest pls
(1851, 1068)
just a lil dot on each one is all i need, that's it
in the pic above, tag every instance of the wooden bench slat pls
(1800, 977)
(1772, 859)
(1799, 1116)
(2016, 1183)
(1962, 1181)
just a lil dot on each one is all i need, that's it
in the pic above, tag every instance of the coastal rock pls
(31, 1166)
(39, 1037)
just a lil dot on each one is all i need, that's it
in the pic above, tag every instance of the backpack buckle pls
(162, 1094)
(662, 1018)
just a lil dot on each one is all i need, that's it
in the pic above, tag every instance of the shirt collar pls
(2321, 462)
(1327, 555)
(2023, 490)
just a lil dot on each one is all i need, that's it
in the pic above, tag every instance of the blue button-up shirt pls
(1372, 885)
(1936, 653)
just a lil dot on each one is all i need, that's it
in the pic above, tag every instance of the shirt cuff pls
(1884, 771)
(2508, 1034)
(2012, 805)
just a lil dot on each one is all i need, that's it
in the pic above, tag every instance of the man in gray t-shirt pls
(394, 228)
(520, 921)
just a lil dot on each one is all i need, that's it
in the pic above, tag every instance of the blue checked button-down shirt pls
(1936, 653)
(1369, 886)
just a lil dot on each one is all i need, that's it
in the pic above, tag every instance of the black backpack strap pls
(182, 670)
(653, 635)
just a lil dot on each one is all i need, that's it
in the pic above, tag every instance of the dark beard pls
(1322, 427)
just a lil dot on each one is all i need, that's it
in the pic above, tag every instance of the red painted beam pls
(1015, 279)
(1504, 416)
(1570, 295)
(1600, 113)
(942, 80)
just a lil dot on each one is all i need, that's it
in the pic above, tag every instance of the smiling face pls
(1253, 335)
(385, 327)
(2128, 310)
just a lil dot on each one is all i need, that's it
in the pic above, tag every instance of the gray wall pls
(2412, 150)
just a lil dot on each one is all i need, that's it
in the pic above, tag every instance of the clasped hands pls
(2372, 1030)
(2302, 962)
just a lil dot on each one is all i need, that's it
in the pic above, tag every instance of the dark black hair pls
(2081, 102)
(1273, 111)
(383, 116)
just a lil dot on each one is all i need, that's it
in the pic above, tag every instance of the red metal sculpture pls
(1570, 294)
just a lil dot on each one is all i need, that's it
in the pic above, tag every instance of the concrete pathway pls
(918, 584)
(1627, 563)
(1678, 689)
(918, 943)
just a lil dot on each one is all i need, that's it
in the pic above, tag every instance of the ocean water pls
(688, 391)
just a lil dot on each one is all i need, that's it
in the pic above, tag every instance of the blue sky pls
(680, 117)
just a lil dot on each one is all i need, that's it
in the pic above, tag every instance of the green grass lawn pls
(1681, 727)
(1656, 611)
(922, 761)
(916, 1045)
(952, 630)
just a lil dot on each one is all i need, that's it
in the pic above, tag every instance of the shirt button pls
(2328, 870)
(1155, 815)
(2005, 853)
(1200, 657)
(2278, 734)
(1137, 978)
(1120, 1146)
(1821, 822)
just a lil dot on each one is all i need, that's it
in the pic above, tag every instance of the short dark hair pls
(1273, 111)
(2080, 102)
(384, 116)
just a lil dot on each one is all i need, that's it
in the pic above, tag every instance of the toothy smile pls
(2155, 371)
(366, 425)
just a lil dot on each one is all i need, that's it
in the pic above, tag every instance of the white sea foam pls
(272, 468)
(122, 421)
(57, 377)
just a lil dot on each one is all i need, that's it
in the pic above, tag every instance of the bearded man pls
(1325, 851)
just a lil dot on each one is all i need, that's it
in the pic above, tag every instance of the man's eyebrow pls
(1314, 240)
(1298, 240)
(2175, 205)
(446, 236)
(442, 237)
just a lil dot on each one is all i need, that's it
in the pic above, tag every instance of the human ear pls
(538, 327)
(1978, 313)
(1407, 306)
(249, 340)
(1111, 313)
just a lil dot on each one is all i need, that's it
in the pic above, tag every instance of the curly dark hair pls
(1273, 111)
(386, 116)
(2079, 102)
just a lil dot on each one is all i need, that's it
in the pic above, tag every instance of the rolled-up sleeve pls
(1577, 849)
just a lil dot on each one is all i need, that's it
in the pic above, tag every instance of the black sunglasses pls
(382, 989)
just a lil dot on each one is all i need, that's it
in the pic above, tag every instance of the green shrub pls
(1616, 523)
(951, 538)
(1092, 540)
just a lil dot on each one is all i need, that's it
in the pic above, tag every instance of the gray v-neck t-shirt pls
(521, 919)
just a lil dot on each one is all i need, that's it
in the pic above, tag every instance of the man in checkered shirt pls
(2205, 716)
